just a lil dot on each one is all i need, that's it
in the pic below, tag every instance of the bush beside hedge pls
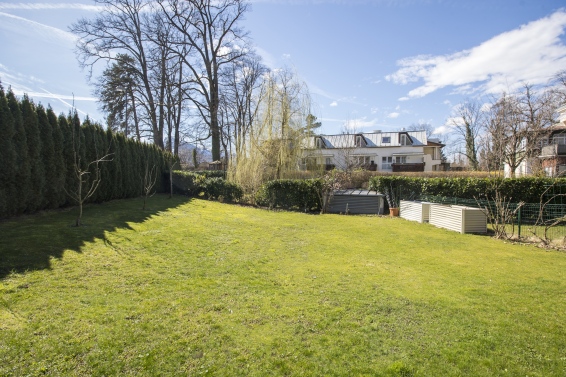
(293, 194)
(527, 189)
(210, 186)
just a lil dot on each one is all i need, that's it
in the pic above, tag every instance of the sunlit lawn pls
(203, 288)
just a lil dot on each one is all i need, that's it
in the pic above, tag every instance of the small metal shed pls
(355, 201)
(415, 211)
(458, 218)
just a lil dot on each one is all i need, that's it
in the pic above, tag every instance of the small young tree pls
(87, 175)
(148, 183)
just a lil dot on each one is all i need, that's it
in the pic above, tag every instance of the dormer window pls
(319, 143)
(405, 139)
(358, 141)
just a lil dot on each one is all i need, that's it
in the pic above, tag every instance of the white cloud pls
(359, 124)
(48, 32)
(56, 6)
(531, 53)
(393, 115)
(442, 130)
(286, 56)
(333, 104)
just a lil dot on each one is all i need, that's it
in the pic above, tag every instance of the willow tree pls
(272, 146)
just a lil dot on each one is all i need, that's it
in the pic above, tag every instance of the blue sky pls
(381, 64)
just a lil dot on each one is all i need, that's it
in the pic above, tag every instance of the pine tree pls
(68, 156)
(47, 156)
(59, 167)
(37, 178)
(7, 158)
(22, 168)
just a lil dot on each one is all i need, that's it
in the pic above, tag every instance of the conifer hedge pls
(38, 153)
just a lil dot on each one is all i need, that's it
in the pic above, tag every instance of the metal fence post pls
(519, 221)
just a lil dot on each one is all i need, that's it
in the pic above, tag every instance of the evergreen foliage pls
(296, 194)
(39, 152)
(59, 167)
(525, 189)
(22, 174)
(50, 196)
(37, 175)
(7, 156)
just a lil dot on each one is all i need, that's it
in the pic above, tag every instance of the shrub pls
(194, 184)
(525, 189)
(186, 182)
(297, 194)
(220, 189)
(211, 173)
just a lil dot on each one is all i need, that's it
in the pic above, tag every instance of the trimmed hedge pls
(526, 189)
(39, 152)
(297, 194)
(212, 187)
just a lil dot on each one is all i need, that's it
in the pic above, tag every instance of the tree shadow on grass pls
(29, 243)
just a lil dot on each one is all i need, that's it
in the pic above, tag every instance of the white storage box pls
(458, 218)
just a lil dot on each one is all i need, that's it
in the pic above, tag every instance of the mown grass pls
(203, 288)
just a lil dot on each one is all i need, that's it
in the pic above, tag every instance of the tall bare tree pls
(210, 28)
(467, 122)
(122, 27)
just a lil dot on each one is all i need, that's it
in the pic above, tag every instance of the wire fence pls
(546, 222)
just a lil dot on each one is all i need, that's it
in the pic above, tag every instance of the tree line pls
(186, 71)
(508, 128)
(48, 161)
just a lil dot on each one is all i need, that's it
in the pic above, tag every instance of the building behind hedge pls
(403, 151)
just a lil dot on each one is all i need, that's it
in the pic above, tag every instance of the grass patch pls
(203, 288)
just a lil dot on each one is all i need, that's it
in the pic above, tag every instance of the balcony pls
(408, 167)
(553, 150)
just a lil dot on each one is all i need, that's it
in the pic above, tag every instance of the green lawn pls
(203, 288)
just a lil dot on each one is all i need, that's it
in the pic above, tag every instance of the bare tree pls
(87, 174)
(468, 122)
(211, 30)
(517, 125)
(148, 183)
(123, 27)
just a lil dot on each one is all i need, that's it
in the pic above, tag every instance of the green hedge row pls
(295, 194)
(39, 153)
(211, 186)
(526, 189)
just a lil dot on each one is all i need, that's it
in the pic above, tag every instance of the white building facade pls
(403, 151)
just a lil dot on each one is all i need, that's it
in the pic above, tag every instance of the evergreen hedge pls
(38, 153)
(526, 189)
(212, 186)
(293, 194)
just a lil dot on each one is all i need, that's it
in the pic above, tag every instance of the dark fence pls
(544, 221)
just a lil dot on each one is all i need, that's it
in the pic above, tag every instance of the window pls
(386, 139)
(318, 143)
(386, 163)
(358, 141)
(401, 159)
(559, 139)
(328, 160)
(403, 139)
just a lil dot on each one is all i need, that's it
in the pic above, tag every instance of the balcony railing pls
(553, 150)
(408, 167)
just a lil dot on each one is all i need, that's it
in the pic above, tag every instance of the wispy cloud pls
(531, 53)
(45, 30)
(47, 6)
(393, 115)
(333, 104)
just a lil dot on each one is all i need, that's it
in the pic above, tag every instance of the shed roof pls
(357, 192)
